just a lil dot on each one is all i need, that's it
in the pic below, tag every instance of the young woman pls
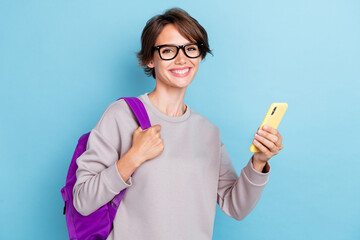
(181, 167)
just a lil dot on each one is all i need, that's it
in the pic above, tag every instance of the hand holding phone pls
(272, 118)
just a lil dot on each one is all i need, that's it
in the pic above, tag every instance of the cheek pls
(196, 64)
(163, 66)
(196, 61)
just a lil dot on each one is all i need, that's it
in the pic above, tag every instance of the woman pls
(181, 168)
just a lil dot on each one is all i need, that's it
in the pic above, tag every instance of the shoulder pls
(209, 132)
(203, 121)
(119, 107)
(115, 112)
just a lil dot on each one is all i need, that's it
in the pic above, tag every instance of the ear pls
(151, 64)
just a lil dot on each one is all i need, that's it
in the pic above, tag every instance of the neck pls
(169, 101)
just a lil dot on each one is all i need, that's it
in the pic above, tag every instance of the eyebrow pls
(173, 44)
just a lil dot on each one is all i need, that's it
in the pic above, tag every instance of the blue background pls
(63, 62)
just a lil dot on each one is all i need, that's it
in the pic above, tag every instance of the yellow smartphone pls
(272, 118)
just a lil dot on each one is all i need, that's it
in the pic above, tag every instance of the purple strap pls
(139, 110)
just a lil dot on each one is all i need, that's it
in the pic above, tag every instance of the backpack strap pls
(139, 110)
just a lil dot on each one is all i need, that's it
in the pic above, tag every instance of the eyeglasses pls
(169, 52)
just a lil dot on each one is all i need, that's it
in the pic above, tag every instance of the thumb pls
(138, 130)
(157, 128)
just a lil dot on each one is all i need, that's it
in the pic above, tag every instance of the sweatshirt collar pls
(162, 115)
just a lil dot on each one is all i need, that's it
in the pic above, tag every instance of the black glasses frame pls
(178, 47)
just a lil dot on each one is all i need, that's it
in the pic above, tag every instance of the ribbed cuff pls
(114, 180)
(255, 177)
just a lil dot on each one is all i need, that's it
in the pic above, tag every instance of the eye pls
(166, 50)
(192, 48)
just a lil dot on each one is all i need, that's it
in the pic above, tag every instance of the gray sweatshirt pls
(174, 195)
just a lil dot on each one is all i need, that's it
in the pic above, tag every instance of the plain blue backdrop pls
(63, 62)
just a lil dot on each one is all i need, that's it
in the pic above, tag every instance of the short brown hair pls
(186, 25)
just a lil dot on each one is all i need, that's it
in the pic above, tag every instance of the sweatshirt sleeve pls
(98, 180)
(237, 196)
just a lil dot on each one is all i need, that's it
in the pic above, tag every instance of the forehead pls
(171, 35)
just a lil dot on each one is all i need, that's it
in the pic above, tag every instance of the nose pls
(181, 57)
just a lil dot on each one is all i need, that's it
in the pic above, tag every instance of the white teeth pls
(181, 71)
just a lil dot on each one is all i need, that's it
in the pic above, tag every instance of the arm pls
(98, 178)
(237, 196)
(101, 175)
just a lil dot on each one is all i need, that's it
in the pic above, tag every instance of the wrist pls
(133, 157)
(127, 164)
(258, 165)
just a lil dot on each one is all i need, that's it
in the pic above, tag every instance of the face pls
(178, 72)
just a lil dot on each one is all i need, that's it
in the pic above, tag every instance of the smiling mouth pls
(180, 72)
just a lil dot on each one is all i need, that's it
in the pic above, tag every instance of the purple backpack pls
(97, 225)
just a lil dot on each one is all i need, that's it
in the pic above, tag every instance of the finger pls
(279, 141)
(267, 143)
(281, 147)
(268, 135)
(275, 132)
(157, 128)
(270, 130)
(261, 147)
(280, 137)
(139, 129)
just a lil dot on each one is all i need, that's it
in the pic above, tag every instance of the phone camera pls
(273, 111)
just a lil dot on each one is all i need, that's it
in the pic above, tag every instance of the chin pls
(182, 82)
(176, 82)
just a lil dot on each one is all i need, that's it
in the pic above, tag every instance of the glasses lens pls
(168, 52)
(192, 50)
